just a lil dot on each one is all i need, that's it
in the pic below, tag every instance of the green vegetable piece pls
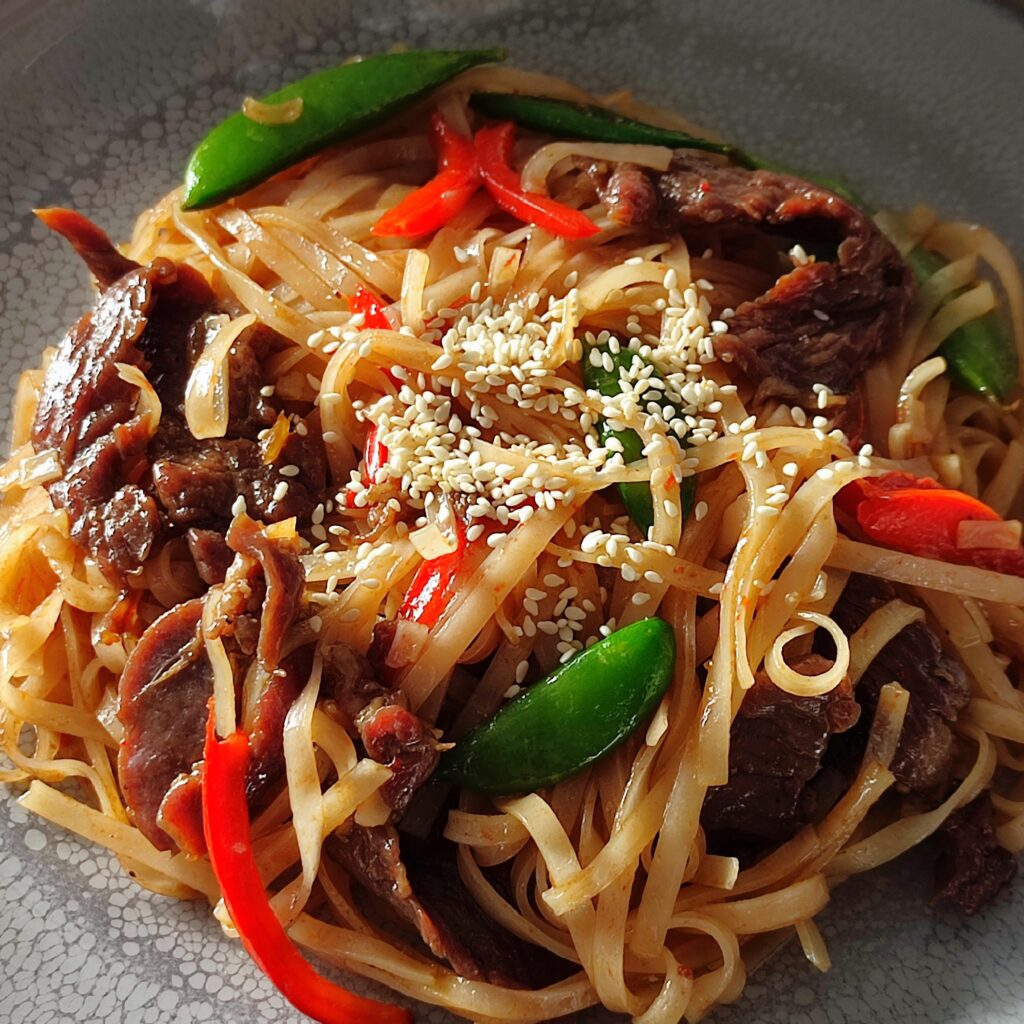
(981, 355)
(598, 124)
(571, 718)
(336, 104)
(635, 496)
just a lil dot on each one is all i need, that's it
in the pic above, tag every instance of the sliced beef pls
(776, 748)
(501, 957)
(211, 554)
(122, 487)
(105, 263)
(278, 563)
(393, 735)
(937, 684)
(389, 732)
(196, 482)
(116, 522)
(162, 704)
(972, 867)
(629, 192)
(820, 323)
(168, 680)
(86, 414)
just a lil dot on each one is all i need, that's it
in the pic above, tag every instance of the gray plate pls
(99, 106)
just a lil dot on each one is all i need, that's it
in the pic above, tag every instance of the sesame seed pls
(280, 490)
(238, 506)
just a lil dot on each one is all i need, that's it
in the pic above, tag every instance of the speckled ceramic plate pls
(99, 106)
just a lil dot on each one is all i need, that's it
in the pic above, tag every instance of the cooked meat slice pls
(122, 487)
(197, 482)
(163, 694)
(501, 957)
(820, 323)
(378, 716)
(937, 684)
(105, 263)
(627, 190)
(211, 554)
(395, 737)
(278, 560)
(168, 680)
(349, 685)
(972, 867)
(372, 858)
(775, 749)
(384, 633)
(115, 522)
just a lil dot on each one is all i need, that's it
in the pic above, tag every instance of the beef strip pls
(86, 414)
(105, 263)
(937, 684)
(776, 748)
(211, 554)
(779, 339)
(972, 867)
(197, 482)
(393, 735)
(122, 487)
(168, 680)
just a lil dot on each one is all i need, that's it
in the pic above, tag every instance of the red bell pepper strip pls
(229, 841)
(433, 205)
(431, 588)
(493, 146)
(372, 307)
(921, 517)
(375, 454)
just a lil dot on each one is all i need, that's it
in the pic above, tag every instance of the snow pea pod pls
(569, 120)
(635, 496)
(337, 103)
(573, 717)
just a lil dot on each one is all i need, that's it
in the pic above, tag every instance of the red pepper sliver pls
(229, 840)
(921, 517)
(434, 205)
(493, 146)
(372, 307)
(431, 588)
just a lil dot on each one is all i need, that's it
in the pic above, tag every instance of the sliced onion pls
(409, 639)
(1003, 534)
(272, 113)
(539, 166)
(207, 404)
(430, 542)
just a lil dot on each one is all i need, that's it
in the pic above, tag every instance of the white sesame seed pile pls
(441, 429)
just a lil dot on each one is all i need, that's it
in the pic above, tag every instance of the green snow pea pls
(573, 717)
(336, 104)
